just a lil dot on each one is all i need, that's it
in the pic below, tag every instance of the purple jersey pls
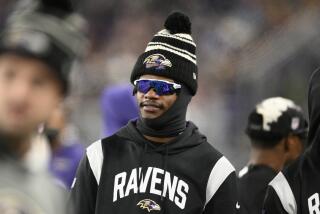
(118, 106)
(65, 161)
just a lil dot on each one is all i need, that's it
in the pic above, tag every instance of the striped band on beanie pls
(163, 40)
(171, 53)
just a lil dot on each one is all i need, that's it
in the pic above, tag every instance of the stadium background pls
(247, 50)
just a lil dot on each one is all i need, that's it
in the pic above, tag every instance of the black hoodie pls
(297, 188)
(125, 173)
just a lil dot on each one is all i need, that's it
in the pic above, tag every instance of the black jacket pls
(297, 188)
(253, 183)
(125, 173)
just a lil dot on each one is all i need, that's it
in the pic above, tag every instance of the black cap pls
(47, 30)
(275, 118)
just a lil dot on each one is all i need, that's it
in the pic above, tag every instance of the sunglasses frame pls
(176, 86)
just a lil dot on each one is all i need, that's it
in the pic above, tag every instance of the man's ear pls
(290, 143)
(134, 91)
(287, 144)
(295, 146)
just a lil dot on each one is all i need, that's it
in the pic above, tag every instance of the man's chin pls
(16, 130)
(145, 114)
(149, 116)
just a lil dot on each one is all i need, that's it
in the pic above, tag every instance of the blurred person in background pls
(65, 145)
(296, 189)
(118, 106)
(159, 162)
(277, 129)
(38, 45)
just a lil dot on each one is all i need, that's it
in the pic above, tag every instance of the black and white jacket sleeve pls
(221, 189)
(279, 198)
(224, 201)
(85, 184)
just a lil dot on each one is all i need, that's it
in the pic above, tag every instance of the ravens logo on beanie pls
(171, 53)
(48, 30)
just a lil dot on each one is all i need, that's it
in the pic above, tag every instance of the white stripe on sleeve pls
(284, 192)
(95, 157)
(221, 170)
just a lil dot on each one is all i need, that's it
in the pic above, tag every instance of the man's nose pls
(151, 94)
(20, 90)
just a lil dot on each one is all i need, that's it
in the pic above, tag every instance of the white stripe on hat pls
(174, 48)
(185, 36)
(161, 47)
(181, 36)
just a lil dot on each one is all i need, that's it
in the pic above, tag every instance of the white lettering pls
(169, 186)
(159, 182)
(132, 183)
(155, 180)
(181, 203)
(313, 204)
(119, 182)
(144, 180)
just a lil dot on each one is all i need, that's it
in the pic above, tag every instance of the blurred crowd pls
(247, 50)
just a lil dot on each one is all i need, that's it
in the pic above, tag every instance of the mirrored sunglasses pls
(161, 87)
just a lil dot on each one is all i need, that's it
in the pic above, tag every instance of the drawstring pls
(164, 174)
(145, 149)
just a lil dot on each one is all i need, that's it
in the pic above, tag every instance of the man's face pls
(152, 105)
(29, 92)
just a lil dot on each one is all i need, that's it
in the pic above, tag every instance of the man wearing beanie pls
(159, 163)
(37, 47)
(296, 189)
(276, 128)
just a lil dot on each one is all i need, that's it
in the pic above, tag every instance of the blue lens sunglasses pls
(161, 87)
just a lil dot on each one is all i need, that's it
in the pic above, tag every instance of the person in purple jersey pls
(67, 150)
(118, 106)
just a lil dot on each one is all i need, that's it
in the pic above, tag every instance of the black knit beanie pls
(171, 53)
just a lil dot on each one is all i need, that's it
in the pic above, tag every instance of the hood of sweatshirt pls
(189, 138)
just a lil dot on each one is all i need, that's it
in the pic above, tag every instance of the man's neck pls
(159, 140)
(268, 157)
(16, 146)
